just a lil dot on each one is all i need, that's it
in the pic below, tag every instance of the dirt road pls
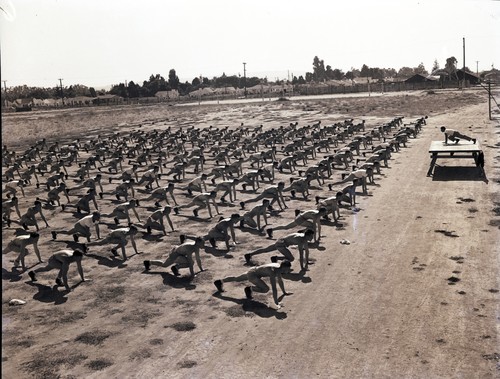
(414, 294)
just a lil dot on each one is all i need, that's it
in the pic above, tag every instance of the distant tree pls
(309, 77)
(226, 81)
(58, 92)
(329, 72)
(420, 70)
(134, 90)
(173, 79)
(451, 68)
(435, 66)
(69, 92)
(184, 88)
(337, 74)
(390, 73)
(349, 75)
(377, 73)
(196, 82)
(295, 80)
(81, 90)
(405, 72)
(253, 81)
(119, 90)
(301, 80)
(39, 93)
(365, 72)
(92, 92)
(319, 72)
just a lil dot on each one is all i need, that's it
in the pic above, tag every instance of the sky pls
(98, 43)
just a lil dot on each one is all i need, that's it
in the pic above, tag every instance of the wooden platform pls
(462, 149)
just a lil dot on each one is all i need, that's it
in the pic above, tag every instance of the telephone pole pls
(464, 66)
(477, 68)
(62, 92)
(245, 78)
(5, 90)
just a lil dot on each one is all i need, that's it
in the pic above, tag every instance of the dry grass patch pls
(48, 366)
(92, 338)
(185, 326)
(99, 364)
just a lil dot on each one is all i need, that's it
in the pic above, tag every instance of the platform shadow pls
(457, 173)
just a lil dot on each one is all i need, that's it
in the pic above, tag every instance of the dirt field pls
(414, 294)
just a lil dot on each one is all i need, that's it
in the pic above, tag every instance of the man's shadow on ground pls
(47, 294)
(110, 262)
(253, 231)
(254, 306)
(218, 252)
(13, 276)
(179, 282)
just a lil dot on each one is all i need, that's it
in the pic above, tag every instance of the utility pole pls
(5, 90)
(477, 68)
(62, 92)
(245, 78)
(464, 67)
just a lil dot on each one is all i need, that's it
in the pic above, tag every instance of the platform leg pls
(433, 162)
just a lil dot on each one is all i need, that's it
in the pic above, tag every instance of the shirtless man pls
(19, 244)
(122, 211)
(197, 184)
(29, 219)
(7, 206)
(301, 240)
(12, 186)
(126, 175)
(273, 271)
(83, 203)
(82, 227)
(161, 193)
(331, 204)
(181, 257)
(228, 187)
(357, 177)
(54, 180)
(310, 219)
(149, 177)
(202, 201)
(61, 261)
(299, 185)
(455, 135)
(53, 196)
(257, 211)
(222, 231)
(275, 193)
(92, 183)
(123, 188)
(118, 237)
(155, 220)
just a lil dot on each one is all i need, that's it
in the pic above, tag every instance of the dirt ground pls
(414, 294)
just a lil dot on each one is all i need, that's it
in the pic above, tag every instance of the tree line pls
(155, 83)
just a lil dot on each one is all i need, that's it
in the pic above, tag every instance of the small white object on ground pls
(345, 242)
(17, 302)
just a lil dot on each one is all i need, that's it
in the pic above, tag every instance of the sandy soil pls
(381, 307)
